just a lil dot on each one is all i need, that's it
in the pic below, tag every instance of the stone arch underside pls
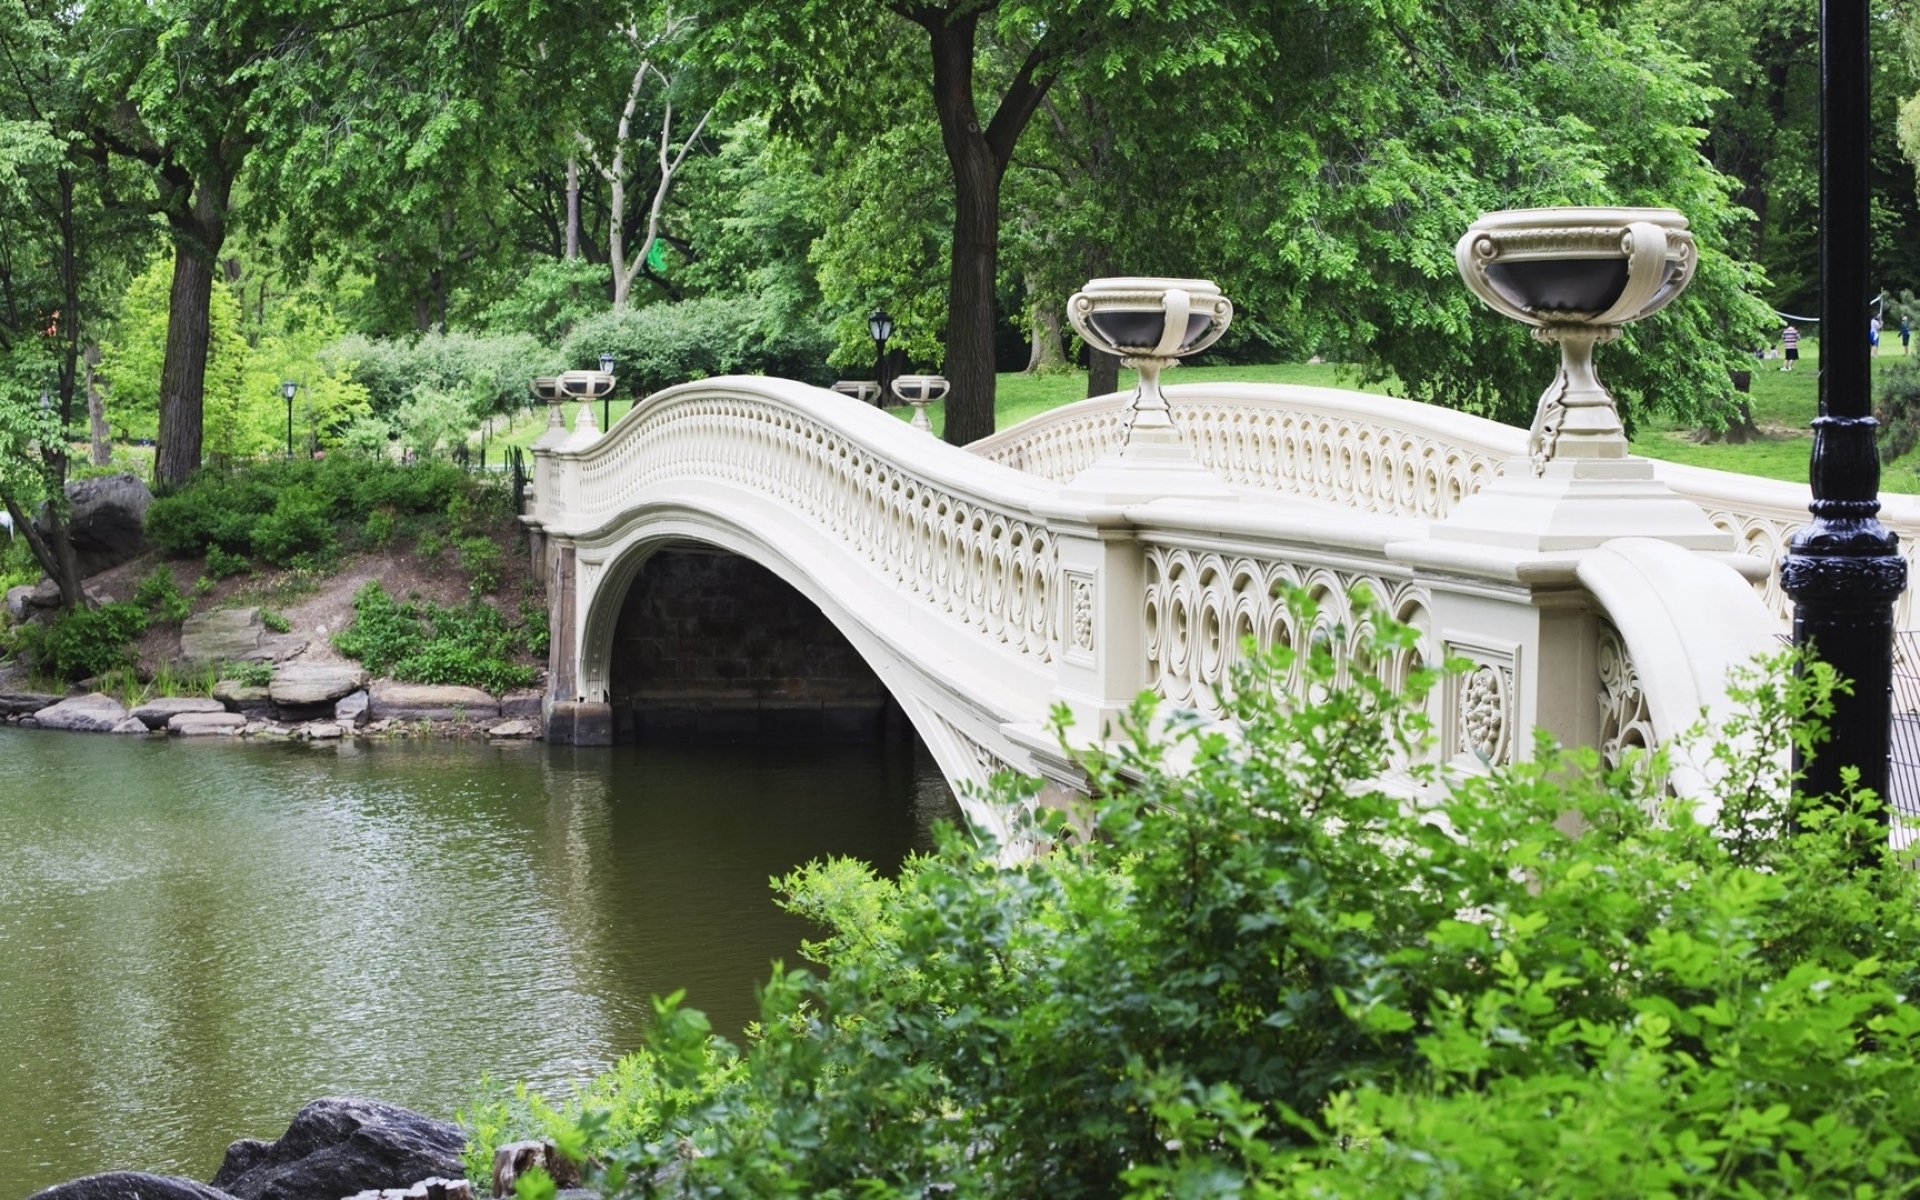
(957, 692)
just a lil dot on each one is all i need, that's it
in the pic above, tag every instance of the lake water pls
(196, 938)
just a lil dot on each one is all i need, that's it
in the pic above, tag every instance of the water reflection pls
(195, 939)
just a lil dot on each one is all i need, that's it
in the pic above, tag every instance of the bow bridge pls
(984, 585)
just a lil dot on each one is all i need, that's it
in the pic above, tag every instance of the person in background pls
(1906, 333)
(1790, 345)
(1873, 334)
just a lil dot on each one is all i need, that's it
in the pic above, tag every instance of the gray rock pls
(106, 517)
(158, 711)
(430, 702)
(131, 1185)
(45, 597)
(239, 696)
(322, 731)
(20, 704)
(351, 709)
(521, 704)
(338, 1147)
(298, 685)
(222, 635)
(205, 724)
(17, 601)
(92, 713)
(132, 725)
(519, 727)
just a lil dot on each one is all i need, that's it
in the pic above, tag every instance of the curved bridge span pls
(983, 586)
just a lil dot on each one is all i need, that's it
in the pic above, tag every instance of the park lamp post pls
(606, 367)
(1843, 568)
(287, 389)
(880, 325)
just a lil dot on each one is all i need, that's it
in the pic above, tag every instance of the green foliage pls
(480, 558)
(426, 643)
(84, 642)
(275, 622)
(536, 636)
(224, 564)
(480, 373)
(1265, 974)
(249, 673)
(1898, 408)
(235, 422)
(548, 300)
(664, 344)
(282, 509)
(159, 596)
(378, 527)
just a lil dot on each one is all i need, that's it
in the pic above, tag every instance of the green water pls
(197, 938)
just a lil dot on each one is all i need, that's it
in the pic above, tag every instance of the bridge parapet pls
(984, 595)
(1381, 454)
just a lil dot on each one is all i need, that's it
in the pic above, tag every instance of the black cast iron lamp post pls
(880, 325)
(1843, 569)
(606, 365)
(287, 389)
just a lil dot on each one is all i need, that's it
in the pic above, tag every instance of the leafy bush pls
(275, 622)
(159, 596)
(1267, 975)
(378, 528)
(485, 373)
(249, 673)
(536, 636)
(1898, 409)
(298, 525)
(664, 344)
(480, 558)
(425, 643)
(221, 564)
(85, 642)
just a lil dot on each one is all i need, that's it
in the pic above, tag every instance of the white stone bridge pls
(984, 585)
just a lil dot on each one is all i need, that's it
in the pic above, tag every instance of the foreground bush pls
(1266, 976)
(418, 642)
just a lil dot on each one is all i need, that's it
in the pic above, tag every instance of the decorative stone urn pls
(586, 387)
(1577, 275)
(1151, 324)
(863, 390)
(920, 391)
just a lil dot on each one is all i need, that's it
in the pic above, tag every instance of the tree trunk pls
(976, 234)
(573, 207)
(198, 235)
(1103, 372)
(53, 550)
(97, 411)
(1049, 353)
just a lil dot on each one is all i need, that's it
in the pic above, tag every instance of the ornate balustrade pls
(991, 593)
(1379, 454)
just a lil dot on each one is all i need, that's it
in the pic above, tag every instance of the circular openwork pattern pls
(1486, 713)
(988, 566)
(1625, 720)
(1199, 608)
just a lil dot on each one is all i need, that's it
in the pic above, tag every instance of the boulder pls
(519, 727)
(351, 709)
(20, 704)
(45, 597)
(304, 685)
(205, 724)
(521, 704)
(18, 599)
(222, 635)
(322, 731)
(241, 697)
(131, 1185)
(132, 725)
(340, 1147)
(430, 702)
(92, 713)
(106, 518)
(157, 712)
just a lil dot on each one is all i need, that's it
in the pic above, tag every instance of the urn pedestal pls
(920, 391)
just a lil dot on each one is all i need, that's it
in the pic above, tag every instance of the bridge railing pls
(1096, 600)
(1381, 454)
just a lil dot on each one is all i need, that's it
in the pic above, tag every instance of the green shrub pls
(425, 643)
(660, 345)
(298, 525)
(203, 586)
(480, 558)
(159, 596)
(379, 526)
(85, 642)
(536, 635)
(428, 545)
(489, 373)
(249, 673)
(275, 622)
(1898, 409)
(224, 564)
(1265, 974)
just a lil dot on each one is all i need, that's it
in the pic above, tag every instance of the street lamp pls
(287, 389)
(606, 365)
(1843, 569)
(880, 325)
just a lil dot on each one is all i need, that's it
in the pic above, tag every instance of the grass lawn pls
(1783, 405)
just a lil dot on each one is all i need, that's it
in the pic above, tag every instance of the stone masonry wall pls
(710, 644)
